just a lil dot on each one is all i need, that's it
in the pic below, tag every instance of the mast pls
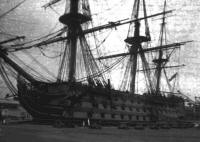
(95, 29)
(135, 42)
(73, 40)
(159, 62)
(153, 49)
(73, 21)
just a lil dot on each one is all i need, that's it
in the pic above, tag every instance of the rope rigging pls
(48, 56)
(39, 64)
(133, 39)
(87, 68)
(31, 71)
(12, 9)
(44, 39)
(8, 82)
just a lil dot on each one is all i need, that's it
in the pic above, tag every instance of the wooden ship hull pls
(70, 100)
(98, 105)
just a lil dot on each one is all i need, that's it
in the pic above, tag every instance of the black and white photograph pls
(99, 70)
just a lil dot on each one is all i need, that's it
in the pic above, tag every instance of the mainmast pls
(160, 61)
(73, 21)
(135, 41)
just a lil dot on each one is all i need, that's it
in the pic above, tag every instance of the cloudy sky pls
(32, 21)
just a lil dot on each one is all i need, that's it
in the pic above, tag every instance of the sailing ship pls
(81, 92)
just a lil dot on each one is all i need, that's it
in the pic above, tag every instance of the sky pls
(33, 21)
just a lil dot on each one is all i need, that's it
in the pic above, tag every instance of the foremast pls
(73, 21)
(72, 59)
